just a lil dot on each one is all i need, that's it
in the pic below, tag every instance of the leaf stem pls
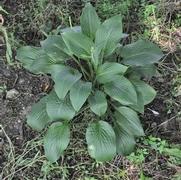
(91, 70)
(84, 72)
(83, 69)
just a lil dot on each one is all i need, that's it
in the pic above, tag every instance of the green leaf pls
(140, 103)
(145, 71)
(128, 120)
(56, 140)
(64, 80)
(27, 55)
(96, 56)
(38, 118)
(55, 47)
(146, 90)
(107, 37)
(54, 69)
(109, 34)
(70, 29)
(121, 90)
(141, 53)
(98, 103)
(109, 69)
(36, 59)
(58, 109)
(78, 44)
(79, 93)
(101, 141)
(89, 21)
(176, 152)
(125, 143)
(42, 64)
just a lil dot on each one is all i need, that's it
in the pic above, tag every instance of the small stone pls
(21, 81)
(154, 124)
(160, 79)
(11, 94)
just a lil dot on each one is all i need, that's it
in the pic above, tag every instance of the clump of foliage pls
(92, 69)
(108, 8)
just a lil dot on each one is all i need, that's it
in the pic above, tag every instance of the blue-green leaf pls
(58, 109)
(139, 106)
(89, 21)
(106, 71)
(56, 140)
(28, 54)
(121, 90)
(78, 44)
(125, 143)
(64, 80)
(144, 71)
(128, 120)
(38, 118)
(79, 93)
(141, 53)
(70, 29)
(101, 141)
(109, 34)
(146, 90)
(98, 103)
(55, 48)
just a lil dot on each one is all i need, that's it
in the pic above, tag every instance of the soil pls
(167, 123)
(30, 88)
(13, 110)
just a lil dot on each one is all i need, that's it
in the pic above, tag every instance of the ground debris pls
(11, 94)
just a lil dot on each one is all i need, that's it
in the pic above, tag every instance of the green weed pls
(108, 8)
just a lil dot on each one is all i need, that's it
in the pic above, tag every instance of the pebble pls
(154, 124)
(11, 94)
(160, 79)
(21, 81)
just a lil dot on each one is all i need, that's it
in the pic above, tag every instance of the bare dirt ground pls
(20, 89)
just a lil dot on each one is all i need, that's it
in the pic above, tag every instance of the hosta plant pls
(92, 69)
